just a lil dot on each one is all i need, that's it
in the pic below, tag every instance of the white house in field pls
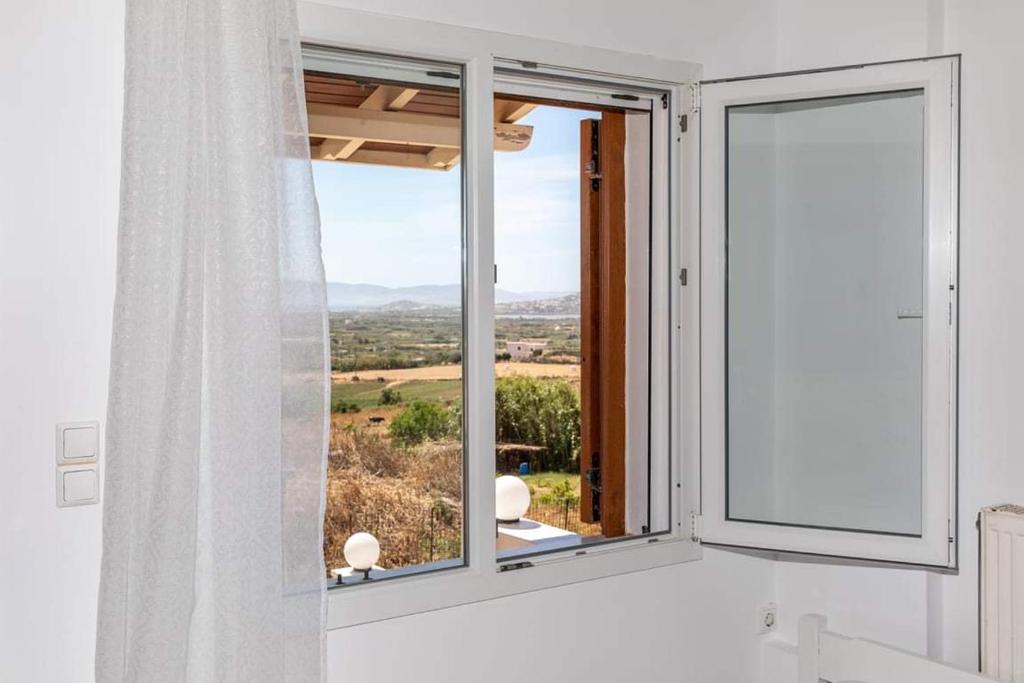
(522, 350)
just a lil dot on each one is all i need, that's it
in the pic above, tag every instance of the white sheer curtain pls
(216, 437)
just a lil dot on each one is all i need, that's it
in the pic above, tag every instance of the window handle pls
(908, 314)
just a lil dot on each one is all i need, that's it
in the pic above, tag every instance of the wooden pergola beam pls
(510, 111)
(336, 122)
(386, 158)
(401, 99)
(383, 97)
(338, 150)
(443, 157)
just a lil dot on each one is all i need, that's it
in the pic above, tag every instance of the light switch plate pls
(78, 485)
(78, 442)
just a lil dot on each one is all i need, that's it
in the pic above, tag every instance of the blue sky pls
(400, 227)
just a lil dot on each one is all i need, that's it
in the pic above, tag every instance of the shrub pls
(540, 412)
(390, 397)
(421, 421)
(565, 493)
(339, 405)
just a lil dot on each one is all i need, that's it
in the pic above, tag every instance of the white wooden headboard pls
(827, 656)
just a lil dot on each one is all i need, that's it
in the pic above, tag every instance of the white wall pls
(60, 75)
(691, 623)
(726, 36)
(916, 610)
(991, 287)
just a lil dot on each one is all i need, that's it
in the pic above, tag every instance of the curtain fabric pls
(217, 418)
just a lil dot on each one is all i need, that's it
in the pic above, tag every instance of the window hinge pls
(694, 98)
(593, 167)
(695, 531)
(682, 123)
(514, 566)
(682, 277)
(664, 100)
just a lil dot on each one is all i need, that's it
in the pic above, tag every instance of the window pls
(385, 139)
(765, 267)
(572, 304)
(829, 312)
(572, 319)
(825, 312)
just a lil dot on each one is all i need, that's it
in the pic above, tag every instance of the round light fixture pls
(511, 498)
(362, 550)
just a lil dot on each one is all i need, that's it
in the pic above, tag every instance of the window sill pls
(428, 591)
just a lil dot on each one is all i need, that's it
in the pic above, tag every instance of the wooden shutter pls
(603, 322)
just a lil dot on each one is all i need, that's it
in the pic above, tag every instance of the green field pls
(543, 484)
(366, 394)
(381, 340)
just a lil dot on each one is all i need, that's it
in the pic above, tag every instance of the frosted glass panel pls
(825, 299)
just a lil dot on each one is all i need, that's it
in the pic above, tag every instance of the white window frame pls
(937, 545)
(476, 51)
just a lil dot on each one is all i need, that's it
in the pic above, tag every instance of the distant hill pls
(567, 305)
(343, 296)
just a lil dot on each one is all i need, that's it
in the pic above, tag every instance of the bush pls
(422, 421)
(540, 412)
(390, 397)
(343, 406)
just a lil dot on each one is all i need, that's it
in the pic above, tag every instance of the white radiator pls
(1002, 593)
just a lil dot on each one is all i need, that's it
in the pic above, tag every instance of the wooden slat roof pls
(359, 121)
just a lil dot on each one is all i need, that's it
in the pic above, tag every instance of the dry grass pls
(410, 499)
(362, 418)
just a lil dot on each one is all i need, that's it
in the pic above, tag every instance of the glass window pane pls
(386, 151)
(572, 234)
(825, 247)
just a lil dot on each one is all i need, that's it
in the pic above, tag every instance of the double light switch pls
(78, 450)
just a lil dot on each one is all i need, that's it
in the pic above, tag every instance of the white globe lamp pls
(511, 498)
(362, 550)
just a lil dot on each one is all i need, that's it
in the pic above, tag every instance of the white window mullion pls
(478, 366)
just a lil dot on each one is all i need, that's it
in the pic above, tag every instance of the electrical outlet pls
(768, 618)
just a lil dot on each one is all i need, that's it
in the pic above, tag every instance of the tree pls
(540, 412)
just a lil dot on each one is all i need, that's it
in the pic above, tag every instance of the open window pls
(783, 377)
(573, 330)
(580, 305)
(828, 295)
